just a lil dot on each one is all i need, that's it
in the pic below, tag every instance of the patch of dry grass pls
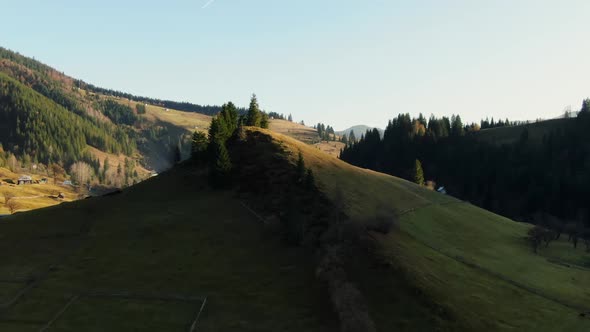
(32, 196)
(306, 135)
(300, 132)
(187, 120)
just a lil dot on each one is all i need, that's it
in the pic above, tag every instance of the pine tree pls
(309, 179)
(228, 119)
(177, 154)
(215, 131)
(105, 168)
(301, 172)
(264, 121)
(290, 118)
(344, 139)
(457, 126)
(220, 167)
(254, 116)
(585, 110)
(418, 173)
(199, 146)
(352, 138)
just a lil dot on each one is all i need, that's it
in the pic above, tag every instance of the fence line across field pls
(119, 295)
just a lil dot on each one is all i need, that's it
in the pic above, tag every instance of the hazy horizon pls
(342, 63)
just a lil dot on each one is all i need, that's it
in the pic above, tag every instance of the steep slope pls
(472, 263)
(35, 125)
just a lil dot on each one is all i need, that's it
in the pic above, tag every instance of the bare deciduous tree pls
(81, 172)
(7, 197)
(12, 206)
(58, 172)
(12, 163)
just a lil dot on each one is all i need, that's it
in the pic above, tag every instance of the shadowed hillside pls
(148, 257)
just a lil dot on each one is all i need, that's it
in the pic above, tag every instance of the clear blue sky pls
(336, 61)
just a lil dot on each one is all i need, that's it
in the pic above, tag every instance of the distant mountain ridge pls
(358, 130)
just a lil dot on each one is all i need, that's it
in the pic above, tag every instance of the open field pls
(305, 134)
(472, 262)
(298, 131)
(32, 196)
(167, 243)
(187, 120)
(190, 121)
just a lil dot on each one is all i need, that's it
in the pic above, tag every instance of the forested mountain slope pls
(32, 124)
(534, 172)
(48, 118)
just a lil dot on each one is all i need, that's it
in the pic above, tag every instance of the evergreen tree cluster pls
(53, 85)
(199, 143)
(487, 123)
(255, 116)
(584, 113)
(118, 113)
(222, 128)
(326, 133)
(350, 139)
(275, 115)
(34, 125)
(24, 61)
(140, 108)
(547, 176)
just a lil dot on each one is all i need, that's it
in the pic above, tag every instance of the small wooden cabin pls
(25, 179)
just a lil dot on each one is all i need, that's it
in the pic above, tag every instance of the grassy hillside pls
(189, 121)
(146, 259)
(154, 252)
(473, 263)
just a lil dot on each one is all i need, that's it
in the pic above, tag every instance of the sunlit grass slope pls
(188, 120)
(145, 259)
(305, 134)
(33, 196)
(472, 262)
